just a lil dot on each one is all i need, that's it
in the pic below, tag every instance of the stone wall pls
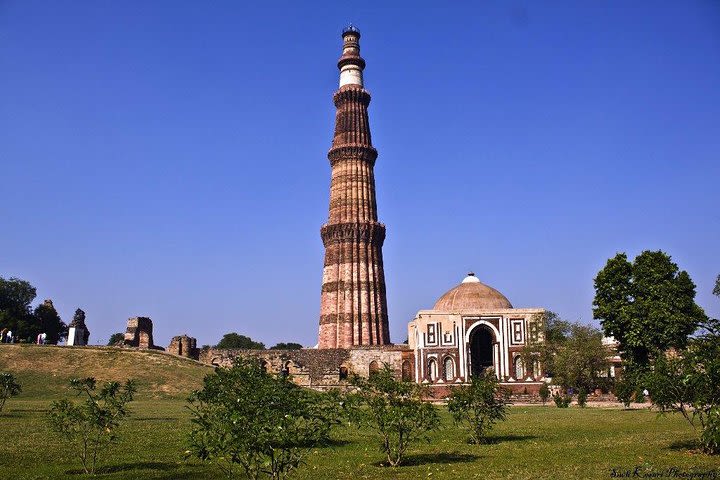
(184, 346)
(320, 369)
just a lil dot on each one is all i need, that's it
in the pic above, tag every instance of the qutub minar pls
(353, 304)
(471, 328)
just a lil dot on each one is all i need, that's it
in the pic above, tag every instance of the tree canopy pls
(287, 346)
(647, 305)
(50, 322)
(235, 340)
(16, 295)
(571, 353)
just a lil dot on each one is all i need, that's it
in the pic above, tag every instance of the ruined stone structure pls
(78, 333)
(320, 369)
(139, 333)
(184, 346)
(353, 305)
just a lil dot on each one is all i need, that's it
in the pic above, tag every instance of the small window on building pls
(519, 370)
(406, 371)
(432, 370)
(343, 373)
(373, 368)
(448, 369)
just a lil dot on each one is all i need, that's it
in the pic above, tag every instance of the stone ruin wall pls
(139, 333)
(184, 346)
(319, 369)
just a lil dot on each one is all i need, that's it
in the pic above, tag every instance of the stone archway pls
(481, 350)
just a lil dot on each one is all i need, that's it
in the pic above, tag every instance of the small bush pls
(90, 427)
(582, 398)
(396, 410)
(562, 401)
(8, 388)
(244, 418)
(544, 393)
(624, 391)
(479, 405)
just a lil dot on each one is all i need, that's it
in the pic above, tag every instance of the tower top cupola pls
(351, 64)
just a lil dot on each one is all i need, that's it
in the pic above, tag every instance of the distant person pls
(9, 337)
(44, 338)
(38, 340)
(3, 333)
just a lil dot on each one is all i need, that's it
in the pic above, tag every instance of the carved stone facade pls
(473, 327)
(139, 333)
(353, 305)
(184, 346)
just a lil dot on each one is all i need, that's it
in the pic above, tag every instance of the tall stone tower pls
(353, 306)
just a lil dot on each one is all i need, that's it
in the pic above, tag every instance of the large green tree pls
(647, 305)
(16, 295)
(571, 353)
(49, 322)
(235, 340)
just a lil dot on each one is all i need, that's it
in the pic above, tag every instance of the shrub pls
(544, 393)
(582, 398)
(9, 387)
(562, 401)
(396, 410)
(479, 405)
(689, 384)
(90, 427)
(246, 418)
(624, 391)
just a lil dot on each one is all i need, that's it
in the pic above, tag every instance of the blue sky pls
(168, 159)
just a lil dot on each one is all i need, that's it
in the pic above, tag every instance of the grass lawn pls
(535, 442)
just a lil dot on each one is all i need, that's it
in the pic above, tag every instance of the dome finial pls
(471, 278)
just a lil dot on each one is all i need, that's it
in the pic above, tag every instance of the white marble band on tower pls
(351, 64)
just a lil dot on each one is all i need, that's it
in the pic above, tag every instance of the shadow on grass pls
(127, 467)
(508, 438)
(442, 458)
(692, 445)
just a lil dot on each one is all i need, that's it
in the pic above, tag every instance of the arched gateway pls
(481, 350)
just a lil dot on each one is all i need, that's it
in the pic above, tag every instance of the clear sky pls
(168, 159)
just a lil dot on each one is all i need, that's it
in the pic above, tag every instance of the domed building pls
(471, 328)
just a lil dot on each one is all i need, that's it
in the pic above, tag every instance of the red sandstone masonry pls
(353, 304)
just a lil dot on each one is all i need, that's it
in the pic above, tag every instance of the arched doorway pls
(481, 350)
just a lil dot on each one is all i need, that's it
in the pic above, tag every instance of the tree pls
(237, 341)
(543, 349)
(91, 426)
(571, 353)
(479, 405)
(689, 383)
(581, 359)
(648, 306)
(16, 295)
(244, 417)
(396, 409)
(716, 290)
(287, 346)
(116, 339)
(9, 387)
(49, 322)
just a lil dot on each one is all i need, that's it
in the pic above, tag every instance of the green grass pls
(44, 372)
(535, 442)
